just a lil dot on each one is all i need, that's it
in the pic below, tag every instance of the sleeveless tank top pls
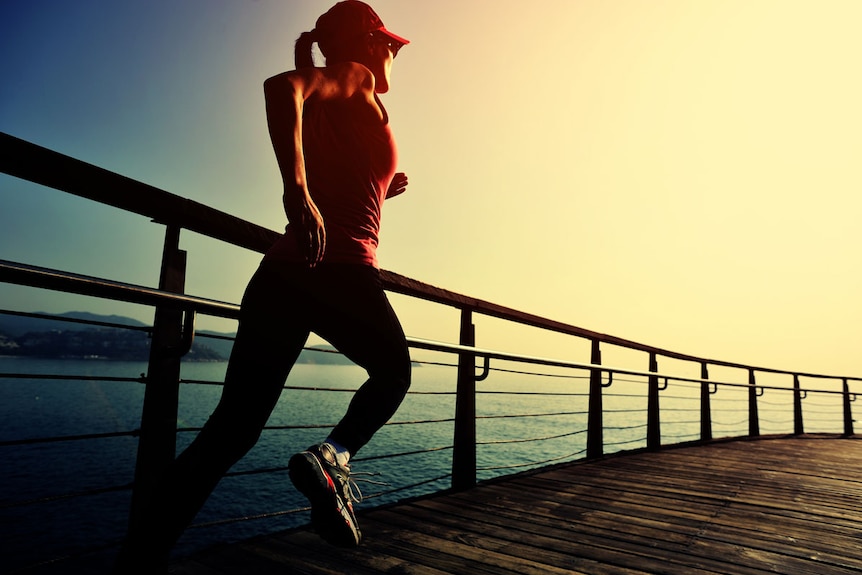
(349, 164)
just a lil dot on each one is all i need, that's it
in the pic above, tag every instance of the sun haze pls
(679, 173)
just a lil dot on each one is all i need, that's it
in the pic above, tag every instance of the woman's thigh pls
(353, 313)
(271, 334)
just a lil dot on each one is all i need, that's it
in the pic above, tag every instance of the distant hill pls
(323, 355)
(36, 337)
(15, 326)
(316, 354)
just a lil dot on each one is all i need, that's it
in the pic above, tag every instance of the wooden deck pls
(780, 505)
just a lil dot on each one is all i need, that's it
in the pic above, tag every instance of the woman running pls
(337, 157)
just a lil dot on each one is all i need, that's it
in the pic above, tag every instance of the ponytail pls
(302, 50)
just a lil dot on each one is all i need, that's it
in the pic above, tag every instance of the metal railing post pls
(653, 408)
(595, 423)
(705, 408)
(157, 443)
(848, 410)
(464, 451)
(798, 427)
(753, 416)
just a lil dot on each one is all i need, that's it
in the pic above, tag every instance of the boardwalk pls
(781, 505)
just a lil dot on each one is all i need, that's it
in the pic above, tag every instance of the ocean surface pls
(40, 521)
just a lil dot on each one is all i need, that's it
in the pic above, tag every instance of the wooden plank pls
(524, 536)
(515, 552)
(791, 505)
(672, 531)
(318, 558)
(619, 543)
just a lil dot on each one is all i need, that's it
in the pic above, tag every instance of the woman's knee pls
(397, 373)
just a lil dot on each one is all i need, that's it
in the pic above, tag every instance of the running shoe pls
(317, 474)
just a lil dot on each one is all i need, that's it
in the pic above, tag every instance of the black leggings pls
(345, 305)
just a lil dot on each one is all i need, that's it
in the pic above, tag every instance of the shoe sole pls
(329, 514)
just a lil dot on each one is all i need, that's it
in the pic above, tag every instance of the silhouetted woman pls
(337, 158)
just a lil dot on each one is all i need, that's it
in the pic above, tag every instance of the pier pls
(714, 467)
(790, 505)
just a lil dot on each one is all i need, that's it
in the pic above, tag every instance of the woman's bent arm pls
(284, 102)
(286, 95)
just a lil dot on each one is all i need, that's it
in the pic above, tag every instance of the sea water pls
(39, 520)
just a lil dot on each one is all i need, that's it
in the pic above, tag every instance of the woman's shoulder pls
(336, 81)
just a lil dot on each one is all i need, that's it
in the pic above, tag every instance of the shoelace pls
(352, 490)
(361, 477)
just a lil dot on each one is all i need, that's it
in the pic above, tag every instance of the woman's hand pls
(307, 221)
(311, 233)
(398, 185)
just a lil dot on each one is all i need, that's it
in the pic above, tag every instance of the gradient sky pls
(681, 173)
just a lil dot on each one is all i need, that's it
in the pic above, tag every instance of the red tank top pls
(349, 164)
